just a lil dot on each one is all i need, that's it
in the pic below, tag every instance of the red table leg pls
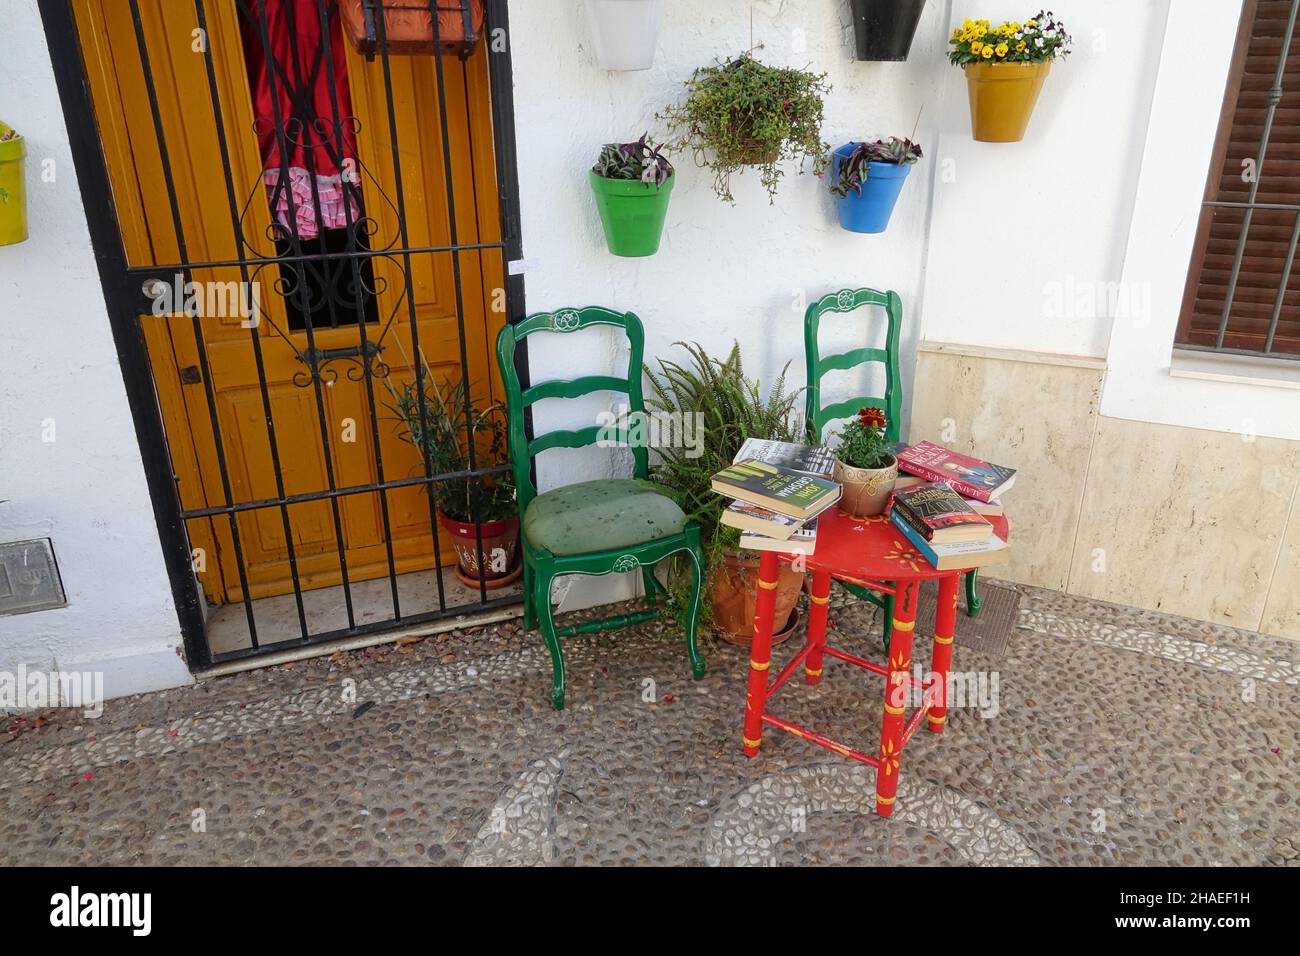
(760, 654)
(819, 605)
(945, 624)
(896, 693)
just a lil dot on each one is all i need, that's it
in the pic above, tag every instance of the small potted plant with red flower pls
(864, 466)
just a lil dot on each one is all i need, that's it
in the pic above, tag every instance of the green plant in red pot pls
(477, 512)
(632, 183)
(864, 465)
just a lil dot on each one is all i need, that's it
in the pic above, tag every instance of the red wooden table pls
(865, 551)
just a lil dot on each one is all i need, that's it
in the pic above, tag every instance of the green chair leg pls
(542, 598)
(530, 600)
(693, 611)
(648, 581)
(973, 601)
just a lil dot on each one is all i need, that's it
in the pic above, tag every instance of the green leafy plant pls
(441, 435)
(862, 442)
(745, 113)
(729, 407)
(641, 160)
(855, 169)
(1039, 38)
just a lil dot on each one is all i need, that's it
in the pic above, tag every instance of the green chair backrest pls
(848, 300)
(565, 321)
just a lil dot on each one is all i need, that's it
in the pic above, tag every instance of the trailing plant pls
(728, 407)
(440, 434)
(1038, 39)
(855, 169)
(862, 442)
(641, 160)
(745, 113)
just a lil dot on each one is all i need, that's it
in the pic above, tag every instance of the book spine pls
(913, 519)
(917, 541)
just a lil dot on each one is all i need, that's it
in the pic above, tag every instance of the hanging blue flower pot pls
(868, 209)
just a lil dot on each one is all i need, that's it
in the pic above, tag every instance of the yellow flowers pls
(976, 47)
(987, 52)
(1020, 47)
(1001, 49)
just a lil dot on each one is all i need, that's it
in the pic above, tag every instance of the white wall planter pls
(625, 32)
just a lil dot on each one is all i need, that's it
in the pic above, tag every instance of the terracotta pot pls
(500, 546)
(1002, 98)
(408, 26)
(866, 490)
(735, 591)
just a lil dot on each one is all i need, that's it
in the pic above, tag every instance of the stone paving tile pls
(1120, 737)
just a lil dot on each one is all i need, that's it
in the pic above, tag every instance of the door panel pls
(229, 390)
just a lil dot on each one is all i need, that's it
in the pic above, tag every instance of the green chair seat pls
(607, 514)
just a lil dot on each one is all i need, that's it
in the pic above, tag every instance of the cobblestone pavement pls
(1120, 737)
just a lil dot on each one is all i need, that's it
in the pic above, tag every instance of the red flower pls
(871, 417)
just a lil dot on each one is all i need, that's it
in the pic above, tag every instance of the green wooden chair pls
(819, 416)
(592, 527)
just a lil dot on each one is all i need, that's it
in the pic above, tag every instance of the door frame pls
(123, 302)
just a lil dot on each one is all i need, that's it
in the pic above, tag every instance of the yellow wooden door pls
(231, 390)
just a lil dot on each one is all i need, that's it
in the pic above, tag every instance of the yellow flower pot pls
(13, 194)
(1002, 98)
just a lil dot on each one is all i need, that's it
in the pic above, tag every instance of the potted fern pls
(726, 407)
(438, 430)
(625, 32)
(866, 179)
(632, 183)
(745, 113)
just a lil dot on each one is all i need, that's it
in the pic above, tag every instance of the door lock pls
(190, 375)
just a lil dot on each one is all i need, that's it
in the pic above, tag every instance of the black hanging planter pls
(884, 28)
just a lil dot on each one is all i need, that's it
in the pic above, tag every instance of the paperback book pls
(962, 556)
(971, 477)
(940, 515)
(810, 459)
(791, 493)
(803, 541)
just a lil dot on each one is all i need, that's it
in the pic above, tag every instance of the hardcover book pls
(972, 477)
(962, 556)
(809, 459)
(939, 514)
(777, 489)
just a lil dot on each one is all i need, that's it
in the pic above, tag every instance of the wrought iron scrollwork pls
(359, 359)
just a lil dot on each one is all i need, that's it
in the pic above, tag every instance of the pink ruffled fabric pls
(332, 213)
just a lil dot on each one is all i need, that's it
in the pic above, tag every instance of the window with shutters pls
(1243, 290)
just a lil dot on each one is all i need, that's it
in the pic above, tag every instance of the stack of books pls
(942, 503)
(779, 490)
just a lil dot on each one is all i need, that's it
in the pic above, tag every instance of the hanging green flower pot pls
(632, 183)
(13, 192)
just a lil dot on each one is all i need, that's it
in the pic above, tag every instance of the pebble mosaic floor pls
(1116, 737)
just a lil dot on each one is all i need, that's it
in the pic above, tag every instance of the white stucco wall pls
(744, 272)
(1066, 196)
(86, 488)
(1015, 223)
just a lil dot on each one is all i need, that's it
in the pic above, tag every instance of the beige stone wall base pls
(1192, 522)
